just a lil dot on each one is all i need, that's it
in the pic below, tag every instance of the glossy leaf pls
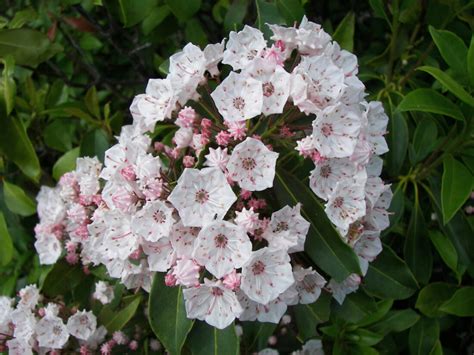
(62, 278)
(184, 9)
(17, 200)
(395, 321)
(255, 335)
(452, 49)
(308, 316)
(133, 12)
(424, 139)
(66, 163)
(115, 319)
(344, 34)
(323, 243)
(206, 340)
(167, 315)
(6, 249)
(156, 17)
(423, 336)
(92, 102)
(95, 143)
(355, 307)
(445, 249)
(433, 296)
(235, 15)
(429, 100)
(389, 277)
(449, 83)
(292, 10)
(456, 187)
(7, 84)
(267, 13)
(461, 303)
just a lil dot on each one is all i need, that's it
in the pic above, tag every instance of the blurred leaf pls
(22, 17)
(6, 249)
(92, 102)
(363, 337)
(156, 16)
(28, 47)
(449, 83)
(255, 335)
(59, 134)
(114, 320)
(456, 187)
(409, 11)
(17, 201)
(133, 12)
(470, 61)
(267, 12)
(323, 243)
(167, 315)
(461, 303)
(95, 143)
(15, 144)
(433, 296)
(423, 336)
(424, 139)
(62, 278)
(344, 34)
(395, 321)
(389, 277)
(445, 249)
(195, 33)
(452, 49)
(292, 10)
(356, 307)
(7, 85)
(429, 100)
(308, 316)
(90, 42)
(397, 139)
(235, 15)
(383, 306)
(184, 9)
(379, 10)
(206, 340)
(66, 163)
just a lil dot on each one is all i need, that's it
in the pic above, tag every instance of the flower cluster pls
(197, 203)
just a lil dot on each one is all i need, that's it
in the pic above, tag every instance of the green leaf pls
(323, 243)
(195, 33)
(424, 139)
(383, 306)
(364, 337)
(7, 84)
(184, 9)
(292, 10)
(456, 187)
(15, 144)
(92, 102)
(470, 61)
(206, 340)
(449, 83)
(17, 200)
(379, 10)
(397, 140)
(60, 134)
(22, 17)
(167, 315)
(452, 49)
(6, 249)
(235, 15)
(423, 336)
(344, 34)
(95, 143)
(356, 307)
(429, 100)
(113, 319)
(156, 16)
(461, 304)
(62, 278)
(433, 296)
(445, 249)
(395, 321)
(255, 335)
(267, 13)
(389, 277)
(27, 46)
(66, 163)
(133, 12)
(417, 249)
(308, 316)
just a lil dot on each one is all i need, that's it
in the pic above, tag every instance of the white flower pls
(103, 292)
(48, 248)
(5, 314)
(25, 322)
(50, 208)
(136, 276)
(312, 347)
(367, 247)
(120, 241)
(82, 324)
(266, 275)
(243, 46)
(183, 238)
(213, 303)
(153, 221)
(375, 165)
(247, 219)
(342, 58)
(377, 217)
(214, 54)
(316, 83)
(252, 165)
(308, 284)
(18, 346)
(347, 203)
(311, 38)
(341, 290)
(287, 229)
(96, 338)
(217, 158)
(186, 272)
(160, 254)
(287, 35)
(29, 297)
(51, 332)
(222, 246)
(201, 196)
(239, 97)
(275, 84)
(183, 137)
(377, 126)
(328, 173)
(335, 131)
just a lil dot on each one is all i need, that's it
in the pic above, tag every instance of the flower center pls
(338, 202)
(202, 196)
(239, 103)
(249, 163)
(159, 217)
(258, 268)
(326, 129)
(268, 89)
(220, 241)
(281, 226)
(216, 291)
(57, 330)
(325, 171)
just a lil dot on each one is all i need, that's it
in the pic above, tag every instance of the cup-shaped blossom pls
(252, 165)
(243, 47)
(222, 246)
(239, 97)
(201, 196)
(266, 275)
(182, 239)
(308, 284)
(153, 221)
(51, 332)
(82, 324)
